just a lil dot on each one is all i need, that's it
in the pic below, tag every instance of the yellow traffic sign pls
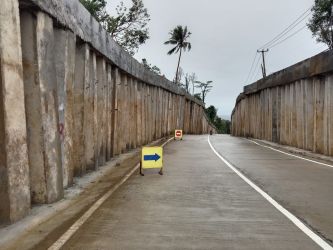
(179, 134)
(152, 157)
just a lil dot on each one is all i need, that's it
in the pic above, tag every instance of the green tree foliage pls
(128, 28)
(321, 22)
(179, 39)
(150, 67)
(211, 112)
(222, 126)
(96, 9)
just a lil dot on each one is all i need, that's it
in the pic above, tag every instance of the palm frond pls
(173, 50)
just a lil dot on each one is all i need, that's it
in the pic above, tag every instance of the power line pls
(296, 32)
(255, 69)
(253, 62)
(288, 29)
(275, 42)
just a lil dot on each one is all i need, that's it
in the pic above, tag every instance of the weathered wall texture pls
(292, 107)
(71, 99)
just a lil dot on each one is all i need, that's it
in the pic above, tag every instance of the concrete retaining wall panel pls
(14, 168)
(296, 111)
(72, 100)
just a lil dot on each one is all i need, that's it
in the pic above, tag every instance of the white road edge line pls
(296, 156)
(316, 238)
(73, 229)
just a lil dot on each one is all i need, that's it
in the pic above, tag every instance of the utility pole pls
(263, 65)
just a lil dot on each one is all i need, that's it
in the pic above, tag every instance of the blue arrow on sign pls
(154, 157)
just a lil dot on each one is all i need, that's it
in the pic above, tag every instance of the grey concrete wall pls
(292, 107)
(71, 99)
(14, 167)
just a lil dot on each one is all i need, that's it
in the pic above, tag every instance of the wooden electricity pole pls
(263, 65)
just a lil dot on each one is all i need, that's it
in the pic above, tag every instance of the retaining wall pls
(71, 99)
(292, 107)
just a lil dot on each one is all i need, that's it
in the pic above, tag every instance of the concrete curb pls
(296, 151)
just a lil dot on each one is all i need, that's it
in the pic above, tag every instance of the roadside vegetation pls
(222, 126)
(321, 22)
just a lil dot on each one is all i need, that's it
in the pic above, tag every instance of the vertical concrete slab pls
(14, 168)
(88, 71)
(135, 113)
(330, 110)
(139, 113)
(288, 114)
(294, 116)
(33, 108)
(144, 113)
(49, 107)
(120, 139)
(109, 113)
(319, 92)
(114, 118)
(283, 116)
(130, 112)
(124, 115)
(101, 85)
(152, 110)
(81, 61)
(117, 129)
(94, 72)
(299, 114)
(309, 114)
(327, 117)
(65, 66)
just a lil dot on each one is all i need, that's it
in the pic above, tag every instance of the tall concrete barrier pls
(292, 107)
(71, 99)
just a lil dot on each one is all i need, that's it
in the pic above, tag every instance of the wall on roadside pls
(292, 107)
(71, 99)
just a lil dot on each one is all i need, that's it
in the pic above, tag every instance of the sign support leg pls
(141, 172)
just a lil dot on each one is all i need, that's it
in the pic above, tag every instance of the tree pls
(321, 22)
(179, 37)
(205, 87)
(96, 9)
(211, 112)
(154, 68)
(128, 28)
(190, 80)
(180, 76)
(222, 126)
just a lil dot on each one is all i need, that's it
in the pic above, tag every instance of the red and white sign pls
(178, 134)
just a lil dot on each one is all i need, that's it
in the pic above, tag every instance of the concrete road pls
(200, 203)
(304, 188)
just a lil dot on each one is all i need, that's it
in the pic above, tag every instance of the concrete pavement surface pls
(199, 203)
(304, 188)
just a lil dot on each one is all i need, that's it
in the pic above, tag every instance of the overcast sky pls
(225, 37)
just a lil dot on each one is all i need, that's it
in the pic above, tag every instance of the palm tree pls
(179, 37)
